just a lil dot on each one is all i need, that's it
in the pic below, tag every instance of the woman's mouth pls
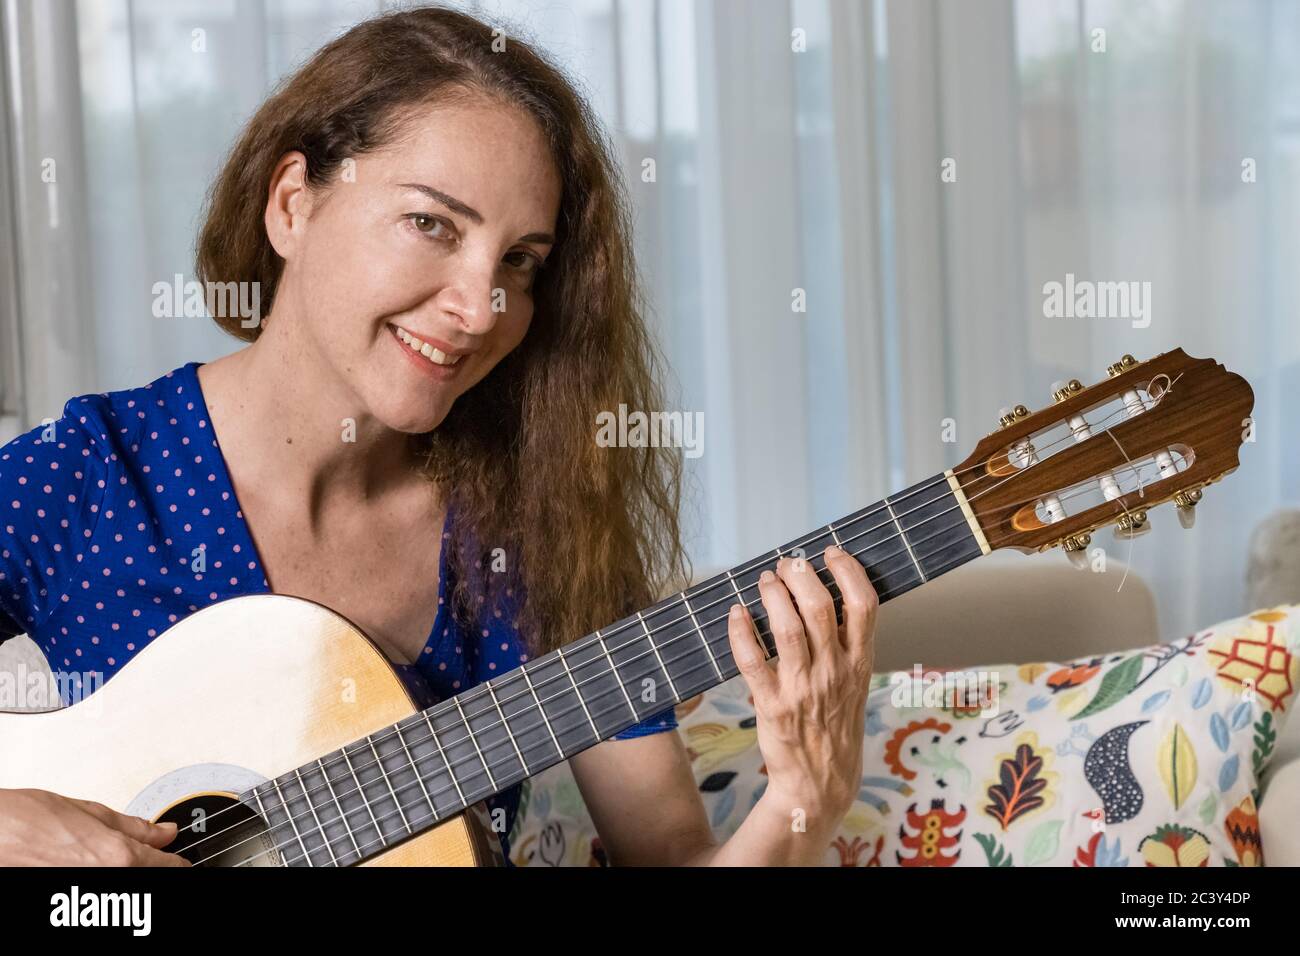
(436, 356)
(432, 361)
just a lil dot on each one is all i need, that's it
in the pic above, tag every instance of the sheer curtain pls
(850, 214)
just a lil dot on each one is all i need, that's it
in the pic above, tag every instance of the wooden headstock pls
(1040, 481)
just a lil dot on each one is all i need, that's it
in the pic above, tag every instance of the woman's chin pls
(414, 422)
(410, 413)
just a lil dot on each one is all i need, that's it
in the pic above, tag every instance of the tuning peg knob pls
(1186, 502)
(1123, 365)
(1076, 549)
(1132, 525)
(1063, 390)
(1009, 416)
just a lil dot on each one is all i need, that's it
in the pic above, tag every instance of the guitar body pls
(229, 697)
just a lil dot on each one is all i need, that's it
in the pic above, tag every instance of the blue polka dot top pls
(102, 512)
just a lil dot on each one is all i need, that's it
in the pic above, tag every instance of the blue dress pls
(102, 513)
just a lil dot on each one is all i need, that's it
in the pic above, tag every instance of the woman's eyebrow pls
(451, 202)
(470, 213)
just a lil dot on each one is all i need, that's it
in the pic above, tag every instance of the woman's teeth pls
(436, 356)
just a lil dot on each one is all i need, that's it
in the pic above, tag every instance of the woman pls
(436, 224)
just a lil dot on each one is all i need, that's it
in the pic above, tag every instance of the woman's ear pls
(288, 203)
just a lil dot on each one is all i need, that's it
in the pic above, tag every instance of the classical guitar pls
(274, 733)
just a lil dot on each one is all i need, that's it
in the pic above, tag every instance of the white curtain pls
(798, 151)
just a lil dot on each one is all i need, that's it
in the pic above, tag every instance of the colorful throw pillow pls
(1149, 757)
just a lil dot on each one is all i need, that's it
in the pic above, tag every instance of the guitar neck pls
(434, 764)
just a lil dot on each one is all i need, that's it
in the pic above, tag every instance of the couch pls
(1191, 746)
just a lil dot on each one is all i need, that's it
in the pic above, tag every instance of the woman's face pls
(431, 243)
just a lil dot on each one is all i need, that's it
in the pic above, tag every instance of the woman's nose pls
(472, 298)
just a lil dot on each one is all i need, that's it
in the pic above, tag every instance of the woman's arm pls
(642, 797)
(811, 710)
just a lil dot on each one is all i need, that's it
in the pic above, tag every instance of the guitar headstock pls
(1152, 432)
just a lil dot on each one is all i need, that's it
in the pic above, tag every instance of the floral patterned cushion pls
(1147, 757)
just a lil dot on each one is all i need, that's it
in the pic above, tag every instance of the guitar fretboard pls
(374, 793)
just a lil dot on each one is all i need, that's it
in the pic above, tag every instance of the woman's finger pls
(816, 608)
(748, 654)
(793, 655)
(859, 601)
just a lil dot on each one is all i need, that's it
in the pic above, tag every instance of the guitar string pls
(342, 814)
(378, 762)
(326, 842)
(489, 766)
(1083, 488)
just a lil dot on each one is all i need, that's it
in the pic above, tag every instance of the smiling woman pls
(435, 221)
(430, 177)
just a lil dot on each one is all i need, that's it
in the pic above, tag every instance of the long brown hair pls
(590, 533)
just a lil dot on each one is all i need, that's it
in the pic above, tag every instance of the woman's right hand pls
(39, 828)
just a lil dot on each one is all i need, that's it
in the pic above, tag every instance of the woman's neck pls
(297, 433)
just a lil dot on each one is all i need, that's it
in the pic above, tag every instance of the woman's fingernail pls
(767, 577)
(834, 549)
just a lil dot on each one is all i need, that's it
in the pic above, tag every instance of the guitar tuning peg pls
(1009, 416)
(1076, 549)
(1123, 365)
(1186, 502)
(1063, 390)
(1134, 524)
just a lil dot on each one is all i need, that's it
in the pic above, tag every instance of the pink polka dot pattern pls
(120, 519)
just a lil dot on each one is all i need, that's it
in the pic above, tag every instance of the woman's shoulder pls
(103, 424)
(69, 462)
(122, 418)
(56, 481)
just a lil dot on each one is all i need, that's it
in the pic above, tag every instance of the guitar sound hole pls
(215, 829)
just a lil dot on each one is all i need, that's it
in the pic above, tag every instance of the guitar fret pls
(542, 710)
(711, 596)
(836, 537)
(302, 785)
(365, 797)
(734, 588)
(559, 653)
(654, 647)
(605, 649)
(270, 825)
(470, 731)
(949, 541)
(906, 543)
(433, 735)
(696, 624)
(288, 812)
(418, 776)
(383, 772)
(504, 723)
(347, 827)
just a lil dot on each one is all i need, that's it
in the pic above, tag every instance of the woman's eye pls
(523, 260)
(431, 226)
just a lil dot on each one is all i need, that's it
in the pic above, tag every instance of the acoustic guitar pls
(274, 733)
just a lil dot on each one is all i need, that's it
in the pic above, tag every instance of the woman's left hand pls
(811, 707)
